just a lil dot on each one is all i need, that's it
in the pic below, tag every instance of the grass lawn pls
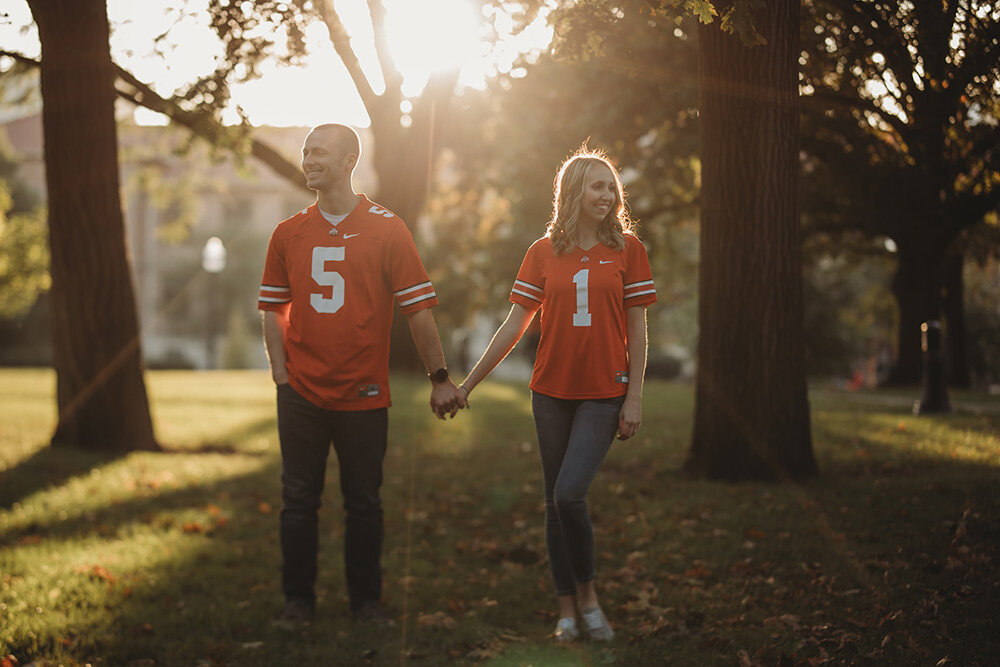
(891, 556)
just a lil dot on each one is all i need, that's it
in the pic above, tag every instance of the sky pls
(425, 36)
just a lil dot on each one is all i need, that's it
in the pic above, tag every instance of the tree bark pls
(957, 358)
(100, 389)
(916, 286)
(751, 402)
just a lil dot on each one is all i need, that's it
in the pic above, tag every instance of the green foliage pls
(172, 557)
(901, 101)
(494, 195)
(849, 312)
(24, 257)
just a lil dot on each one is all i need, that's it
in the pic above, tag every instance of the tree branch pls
(201, 124)
(890, 42)
(393, 79)
(20, 57)
(342, 45)
(204, 125)
(830, 96)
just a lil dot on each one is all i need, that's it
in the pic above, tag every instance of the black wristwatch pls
(438, 376)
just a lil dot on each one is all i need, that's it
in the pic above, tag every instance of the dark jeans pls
(574, 436)
(359, 439)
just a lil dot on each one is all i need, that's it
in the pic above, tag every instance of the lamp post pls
(213, 260)
(935, 397)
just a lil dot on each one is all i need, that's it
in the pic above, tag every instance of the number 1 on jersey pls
(581, 318)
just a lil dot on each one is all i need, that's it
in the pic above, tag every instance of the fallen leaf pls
(438, 619)
(98, 572)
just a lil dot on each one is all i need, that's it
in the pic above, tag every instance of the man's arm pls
(274, 341)
(445, 396)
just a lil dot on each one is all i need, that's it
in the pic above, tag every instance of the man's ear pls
(350, 161)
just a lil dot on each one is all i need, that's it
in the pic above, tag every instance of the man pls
(332, 273)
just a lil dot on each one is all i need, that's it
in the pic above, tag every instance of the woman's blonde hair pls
(568, 195)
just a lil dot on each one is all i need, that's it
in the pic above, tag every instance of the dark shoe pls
(372, 612)
(296, 613)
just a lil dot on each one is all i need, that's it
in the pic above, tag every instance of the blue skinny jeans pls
(574, 436)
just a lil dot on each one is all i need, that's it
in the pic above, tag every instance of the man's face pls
(324, 161)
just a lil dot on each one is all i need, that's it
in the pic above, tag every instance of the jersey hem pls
(340, 406)
(574, 397)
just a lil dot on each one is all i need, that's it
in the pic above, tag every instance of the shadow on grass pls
(881, 545)
(48, 467)
(54, 466)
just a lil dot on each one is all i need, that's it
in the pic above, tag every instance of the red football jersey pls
(583, 296)
(338, 285)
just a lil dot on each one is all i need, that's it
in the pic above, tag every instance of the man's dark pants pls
(359, 438)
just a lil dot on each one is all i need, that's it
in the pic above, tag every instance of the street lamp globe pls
(213, 255)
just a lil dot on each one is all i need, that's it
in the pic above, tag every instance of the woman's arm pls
(502, 343)
(631, 413)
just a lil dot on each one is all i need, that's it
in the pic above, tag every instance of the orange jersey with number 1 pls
(337, 287)
(583, 296)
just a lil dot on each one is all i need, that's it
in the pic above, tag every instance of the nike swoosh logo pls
(603, 261)
(347, 236)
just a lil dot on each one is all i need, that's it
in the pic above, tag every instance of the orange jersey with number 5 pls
(336, 287)
(583, 296)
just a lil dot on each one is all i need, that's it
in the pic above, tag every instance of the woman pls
(591, 278)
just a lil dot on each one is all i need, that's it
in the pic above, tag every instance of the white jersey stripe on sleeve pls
(269, 299)
(635, 294)
(525, 294)
(533, 288)
(403, 292)
(417, 299)
(638, 284)
(272, 288)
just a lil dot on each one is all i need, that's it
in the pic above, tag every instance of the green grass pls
(890, 557)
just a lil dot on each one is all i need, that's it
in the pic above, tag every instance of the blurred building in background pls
(176, 194)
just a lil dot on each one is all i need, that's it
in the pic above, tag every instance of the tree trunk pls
(916, 287)
(100, 390)
(751, 403)
(953, 305)
(403, 159)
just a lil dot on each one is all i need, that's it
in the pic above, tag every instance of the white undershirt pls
(333, 219)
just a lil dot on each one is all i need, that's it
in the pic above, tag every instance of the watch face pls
(440, 375)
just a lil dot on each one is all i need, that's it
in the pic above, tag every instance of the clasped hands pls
(447, 399)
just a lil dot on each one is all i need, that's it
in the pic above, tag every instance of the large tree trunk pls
(916, 285)
(100, 389)
(957, 358)
(751, 403)
(404, 159)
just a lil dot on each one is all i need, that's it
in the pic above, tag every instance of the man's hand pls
(446, 399)
(629, 419)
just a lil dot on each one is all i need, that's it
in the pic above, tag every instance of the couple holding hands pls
(332, 274)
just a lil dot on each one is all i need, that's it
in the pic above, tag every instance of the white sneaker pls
(566, 630)
(595, 624)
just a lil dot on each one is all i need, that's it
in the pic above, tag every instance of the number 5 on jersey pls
(335, 301)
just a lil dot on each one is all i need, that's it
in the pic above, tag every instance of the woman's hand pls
(629, 418)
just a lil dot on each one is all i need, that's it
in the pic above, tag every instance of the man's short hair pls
(347, 137)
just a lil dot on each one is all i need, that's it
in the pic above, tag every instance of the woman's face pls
(599, 193)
